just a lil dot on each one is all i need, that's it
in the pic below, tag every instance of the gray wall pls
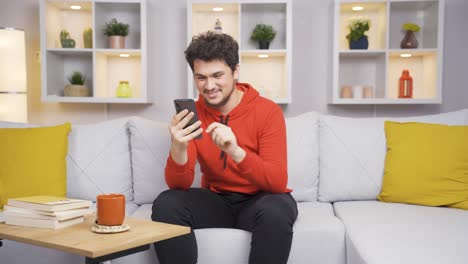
(311, 77)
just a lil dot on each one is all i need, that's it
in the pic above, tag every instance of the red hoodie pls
(260, 130)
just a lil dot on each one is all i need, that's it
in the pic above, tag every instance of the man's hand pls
(181, 136)
(225, 139)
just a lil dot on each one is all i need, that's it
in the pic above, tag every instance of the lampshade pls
(13, 87)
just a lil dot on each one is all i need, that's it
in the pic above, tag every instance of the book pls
(48, 203)
(42, 223)
(38, 214)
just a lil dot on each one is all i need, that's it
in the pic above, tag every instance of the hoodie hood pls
(247, 102)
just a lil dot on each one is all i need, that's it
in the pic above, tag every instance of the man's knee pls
(167, 204)
(278, 209)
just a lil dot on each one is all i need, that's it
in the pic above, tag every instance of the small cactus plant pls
(64, 34)
(77, 78)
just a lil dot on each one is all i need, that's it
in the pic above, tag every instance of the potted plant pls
(116, 31)
(65, 39)
(264, 34)
(76, 86)
(409, 41)
(356, 37)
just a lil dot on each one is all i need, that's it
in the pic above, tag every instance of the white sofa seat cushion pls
(318, 236)
(352, 154)
(98, 160)
(388, 233)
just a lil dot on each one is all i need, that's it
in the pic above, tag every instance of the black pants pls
(270, 218)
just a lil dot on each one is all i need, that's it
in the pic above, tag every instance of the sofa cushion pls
(98, 160)
(388, 233)
(318, 236)
(426, 164)
(150, 144)
(33, 161)
(352, 154)
(303, 156)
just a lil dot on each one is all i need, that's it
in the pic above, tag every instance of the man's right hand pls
(181, 137)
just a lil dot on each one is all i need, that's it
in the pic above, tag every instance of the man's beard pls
(224, 101)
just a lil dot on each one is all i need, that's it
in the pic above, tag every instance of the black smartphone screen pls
(189, 104)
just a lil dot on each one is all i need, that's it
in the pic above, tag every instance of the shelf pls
(271, 75)
(423, 13)
(423, 69)
(356, 69)
(124, 12)
(376, 12)
(102, 66)
(111, 69)
(273, 14)
(60, 65)
(70, 51)
(204, 18)
(267, 75)
(362, 53)
(59, 16)
(67, 99)
(381, 65)
(375, 101)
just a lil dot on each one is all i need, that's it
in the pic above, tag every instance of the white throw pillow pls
(352, 154)
(98, 160)
(150, 143)
(303, 156)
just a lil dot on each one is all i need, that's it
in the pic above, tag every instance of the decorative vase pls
(263, 44)
(218, 26)
(88, 38)
(68, 43)
(117, 42)
(124, 90)
(362, 43)
(409, 41)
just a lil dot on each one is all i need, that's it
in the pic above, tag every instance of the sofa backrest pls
(352, 154)
(150, 143)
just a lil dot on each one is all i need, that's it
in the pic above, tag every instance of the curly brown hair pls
(211, 46)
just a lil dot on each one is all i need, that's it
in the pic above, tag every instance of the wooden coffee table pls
(80, 240)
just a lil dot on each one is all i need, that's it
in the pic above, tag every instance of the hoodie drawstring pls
(223, 154)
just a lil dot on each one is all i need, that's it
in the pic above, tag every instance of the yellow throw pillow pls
(426, 164)
(33, 161)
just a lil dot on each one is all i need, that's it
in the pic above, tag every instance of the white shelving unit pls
(268, 71)
(381, 65)
(102, 66)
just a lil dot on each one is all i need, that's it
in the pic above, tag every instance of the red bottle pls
(406, 85)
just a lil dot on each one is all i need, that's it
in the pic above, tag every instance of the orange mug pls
(110, 209)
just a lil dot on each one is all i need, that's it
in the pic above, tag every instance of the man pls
(242, 156)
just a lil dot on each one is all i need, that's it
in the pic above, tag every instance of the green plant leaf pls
(263, 32)
(115, 28)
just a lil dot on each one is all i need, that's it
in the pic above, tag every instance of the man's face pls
(215, 81)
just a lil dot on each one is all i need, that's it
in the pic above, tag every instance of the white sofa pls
(335, 167)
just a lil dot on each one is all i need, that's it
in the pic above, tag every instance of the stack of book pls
(46, 211)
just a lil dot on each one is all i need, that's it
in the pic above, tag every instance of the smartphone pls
(189, 104)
